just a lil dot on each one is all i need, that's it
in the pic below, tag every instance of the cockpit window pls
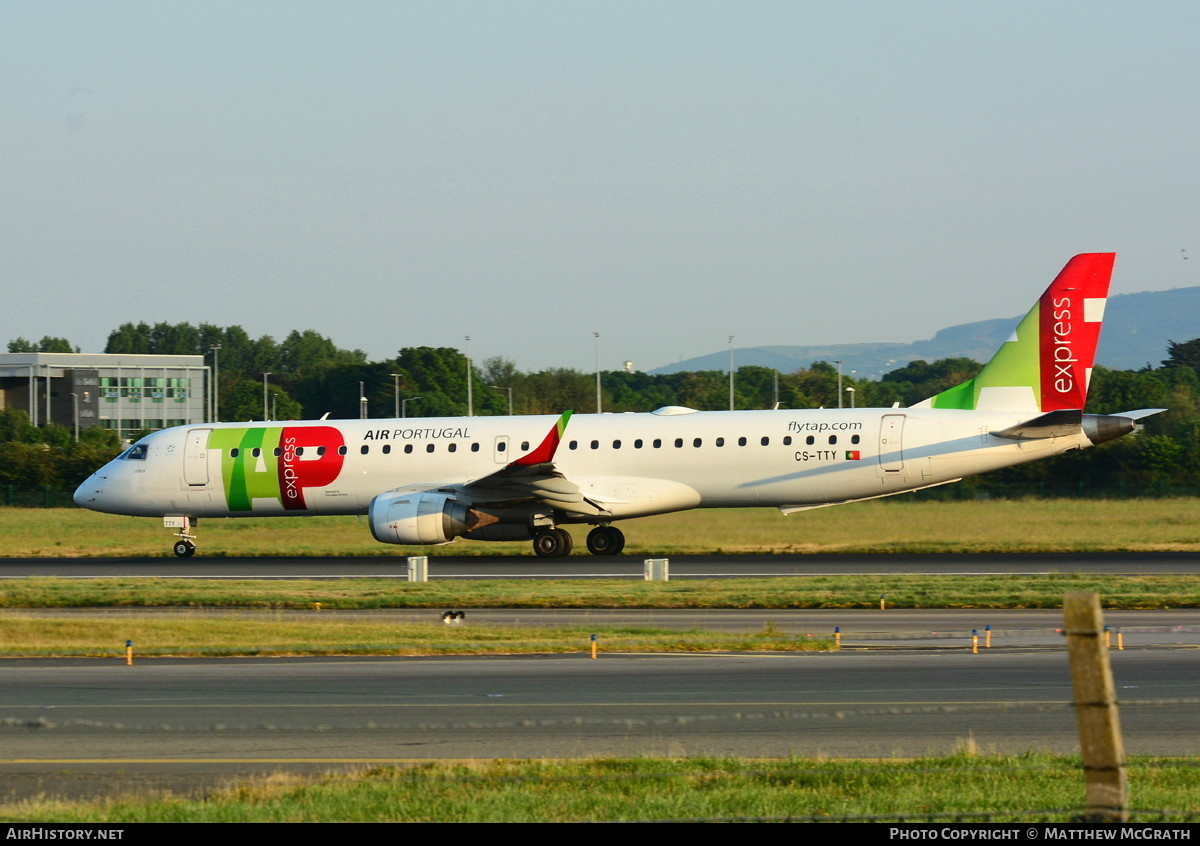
(137, 452)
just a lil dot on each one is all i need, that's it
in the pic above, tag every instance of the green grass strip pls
(884, 526)
(1019, 789)
(288, 634)
(901, 590)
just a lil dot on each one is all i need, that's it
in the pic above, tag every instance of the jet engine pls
(422, 517)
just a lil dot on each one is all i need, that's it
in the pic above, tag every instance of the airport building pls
(128, 393)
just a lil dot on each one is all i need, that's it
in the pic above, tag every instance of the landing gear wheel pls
(185, 548)
(605, 540)
(552, 543)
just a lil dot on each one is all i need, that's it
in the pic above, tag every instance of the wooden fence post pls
(1096, 714)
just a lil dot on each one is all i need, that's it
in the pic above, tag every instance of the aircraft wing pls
(532, 478)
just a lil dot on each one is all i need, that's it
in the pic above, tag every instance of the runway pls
(904, 684)
(596, 567)
(94, 727)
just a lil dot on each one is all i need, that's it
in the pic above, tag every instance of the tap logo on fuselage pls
(276, 463)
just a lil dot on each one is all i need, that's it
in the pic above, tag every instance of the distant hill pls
(1136, 330)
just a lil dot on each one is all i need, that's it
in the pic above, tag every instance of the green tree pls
(47, 344)
(15, 426)
(1186, 354)
(918, 380)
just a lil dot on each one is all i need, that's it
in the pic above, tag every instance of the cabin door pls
(891, 444)
(195, 458)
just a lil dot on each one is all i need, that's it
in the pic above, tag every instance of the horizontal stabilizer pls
(1140, 413)
(1052, 424)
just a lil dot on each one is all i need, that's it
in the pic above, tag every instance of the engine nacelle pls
(422, 518)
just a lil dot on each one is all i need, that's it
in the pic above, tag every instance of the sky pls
(668, 174)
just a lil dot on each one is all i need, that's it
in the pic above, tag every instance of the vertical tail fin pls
(1047, 363)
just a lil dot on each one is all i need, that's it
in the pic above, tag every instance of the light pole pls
(396, 393)
(597, 337)
(839, 364)
(404, 405)
(266, 408)
(470, 395)
(216, 383)
(850, 391)
(362, 402)
(502, 388)
(75, 403)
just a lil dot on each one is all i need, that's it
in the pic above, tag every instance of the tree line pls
(310, 376)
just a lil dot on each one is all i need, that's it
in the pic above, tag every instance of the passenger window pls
(452, 448)
(524, 446)
(765, 441)
(299, 451)
(637, 444)
(474, 447)
(573, 445)
(720, 442)
(341, 450)
(233, 453)
(387, 449)
(741, 441)
(616, 444)
(595, 445)
(429, 447)
(810, 440)
(678, 443)
(658, 443)
(697, 443)
(832, 439)
(320, 450)
(278, 452)
(408, 449)
(854, 439)
(364, 449)
(256, 452)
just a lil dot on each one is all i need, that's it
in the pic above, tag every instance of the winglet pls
(544, 454)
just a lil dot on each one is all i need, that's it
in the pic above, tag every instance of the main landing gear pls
(605, 540)
(185, 547)
(553, 542)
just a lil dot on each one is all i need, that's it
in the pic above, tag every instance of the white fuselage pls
(630, 464)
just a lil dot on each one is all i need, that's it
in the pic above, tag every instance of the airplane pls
(432, 480)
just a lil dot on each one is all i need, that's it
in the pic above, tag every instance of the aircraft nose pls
(84, 492)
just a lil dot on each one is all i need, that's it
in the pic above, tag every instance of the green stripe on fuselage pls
(248, 477)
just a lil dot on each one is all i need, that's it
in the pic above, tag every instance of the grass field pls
(895, 525)
(901, 590)
(312, 634)
(1022, 789)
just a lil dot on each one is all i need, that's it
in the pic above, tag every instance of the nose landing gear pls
(185, 547)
